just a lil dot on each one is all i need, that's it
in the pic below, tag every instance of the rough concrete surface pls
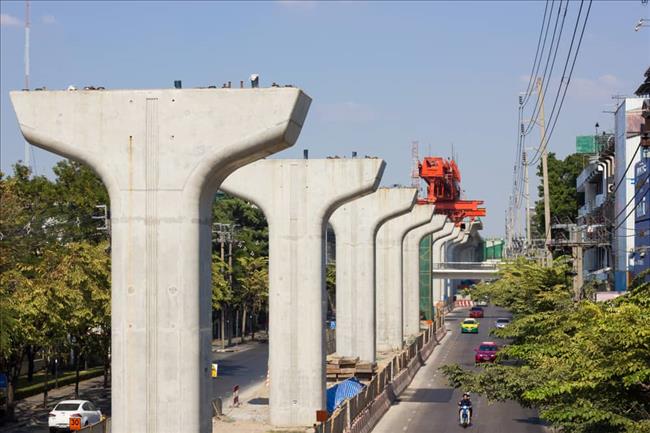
(411, 273)
(298, 197)
(162, 154)
(389, 275)
(355, 225)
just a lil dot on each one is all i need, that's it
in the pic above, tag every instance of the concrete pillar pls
(390, 335)
(411, 273)
(298, 197)
(162, 154)
(449, 256)
(356, 224)
(449, 231)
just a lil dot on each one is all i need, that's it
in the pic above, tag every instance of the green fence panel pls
(426, 306)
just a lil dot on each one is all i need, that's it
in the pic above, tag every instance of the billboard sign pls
(586, 144)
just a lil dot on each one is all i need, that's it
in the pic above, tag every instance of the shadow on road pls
(259, 400)
(533, 420)
(427, 395)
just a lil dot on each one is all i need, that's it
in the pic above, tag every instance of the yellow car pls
(469, 325)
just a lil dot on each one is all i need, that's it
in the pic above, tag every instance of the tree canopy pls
(584, 365)
(55, 264)
(562, 175)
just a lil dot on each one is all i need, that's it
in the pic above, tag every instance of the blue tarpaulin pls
(341, 392)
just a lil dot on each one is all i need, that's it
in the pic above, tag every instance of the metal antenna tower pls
(415, 160)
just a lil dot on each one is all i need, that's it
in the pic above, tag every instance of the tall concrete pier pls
(298, 197)
(449, 231)
(411, 272)
(448, 256)
(390, 236)
(162, 154)
(355, 225)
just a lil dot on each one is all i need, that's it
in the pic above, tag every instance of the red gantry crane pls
(443, 189)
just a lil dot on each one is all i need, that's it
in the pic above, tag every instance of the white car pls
(502, 322)
(59, 419)
(483, 302)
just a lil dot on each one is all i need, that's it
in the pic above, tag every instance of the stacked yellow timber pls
(344, 367)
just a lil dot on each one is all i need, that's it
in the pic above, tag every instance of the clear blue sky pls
(380, 74)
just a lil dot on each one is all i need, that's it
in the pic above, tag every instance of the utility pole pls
(547, 204)
(577, 268)
(525, 164)
(225, 235)
(27, 23)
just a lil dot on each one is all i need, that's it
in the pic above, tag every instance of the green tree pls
(25, 218)
(584, 365)
(72, 298)
(330, 286)
(251, 242)
(40, 221)
(221, 288)
(254, 286)
(562, 175)
(78, 191)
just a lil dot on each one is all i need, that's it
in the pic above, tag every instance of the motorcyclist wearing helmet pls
(465, 401)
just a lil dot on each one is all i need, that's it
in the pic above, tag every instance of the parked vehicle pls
(476, 312)
(469, 326)
(502, 322)
(59, 419)
(482, 302)
(486, 352)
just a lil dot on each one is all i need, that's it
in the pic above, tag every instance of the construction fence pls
(362, 412)
(104, 426)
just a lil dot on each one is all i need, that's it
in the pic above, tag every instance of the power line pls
(547, 79)
(628, 203)
(529, 88)
(627, 168)
(538, 151)
(542, 148)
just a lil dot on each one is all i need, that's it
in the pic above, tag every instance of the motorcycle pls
(465, 417)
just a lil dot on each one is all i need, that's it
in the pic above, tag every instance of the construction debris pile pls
(344, 367)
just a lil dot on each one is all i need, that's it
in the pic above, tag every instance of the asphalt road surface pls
(430, 405)
(246, 366)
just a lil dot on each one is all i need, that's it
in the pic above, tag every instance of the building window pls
(641, 208)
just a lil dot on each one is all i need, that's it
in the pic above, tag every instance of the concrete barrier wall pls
(361, 413)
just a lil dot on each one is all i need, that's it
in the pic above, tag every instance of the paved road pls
(429, 405)
(246, 367)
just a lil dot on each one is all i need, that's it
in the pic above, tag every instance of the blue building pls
(641, 255)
